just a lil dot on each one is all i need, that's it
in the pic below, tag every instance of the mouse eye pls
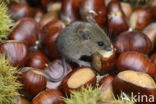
(100, 44)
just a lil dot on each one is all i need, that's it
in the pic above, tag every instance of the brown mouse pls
(77, 40)
(82, 39)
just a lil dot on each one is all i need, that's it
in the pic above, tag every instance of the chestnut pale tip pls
(107, 52)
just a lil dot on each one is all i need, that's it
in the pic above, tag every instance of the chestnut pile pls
(128, 70)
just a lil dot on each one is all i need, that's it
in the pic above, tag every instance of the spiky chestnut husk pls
(4, 21)
(84, 96)
(7, 1)
(9, 85)
(123, 99)
(93, 96)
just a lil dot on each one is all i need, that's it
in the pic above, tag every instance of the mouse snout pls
(108, 48)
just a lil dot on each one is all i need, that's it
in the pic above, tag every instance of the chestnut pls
(153, 59)
(26, 31)
(103, 61)
(22, 2)
(34, 2)
(70, 10)
(22, 100)
(106, 88)
(18, 11)
(154, 11)
(33, 81)
(153, 7)
(127, 9)
(94, 8)
(38, 13)
(105, 82)
(138, 85)
(150, 31)
(16, 51)
(132, 41)
(45, 3)
(49, 96)
(48, 36)
(37, 59)
(82, 76)
(55, 70)
(107, 2)
(135, 61)
(140, 18)
(116, 19)
(46, 18)
(153, 3)
(54, 7)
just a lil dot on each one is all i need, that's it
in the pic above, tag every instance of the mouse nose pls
(108, 48)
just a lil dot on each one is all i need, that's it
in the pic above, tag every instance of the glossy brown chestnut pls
(140, 18)
(49, 96)
(104, 61)
(26, 31)
(22, 100)
(18, 11)
(48, 37)
(45, 3)
(46, 18)
(132, 41)
(153, 59)
(106, 87)
(154, 11)
(23, 1)
(54, 6)
(94, 8)
(17, 52)
(153, 7)
(82, 76)
(107, 2)
(105, 82)
(34, 2)
(38, 13)
(70, 10)
(116, 19)
(37, 59)
(127, 9)
(153, 3)
(135, 61)
(33, 81)
(55, 70)
(150, 31)
(137, 83)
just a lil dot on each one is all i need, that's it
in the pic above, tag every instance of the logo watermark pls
(139, 98)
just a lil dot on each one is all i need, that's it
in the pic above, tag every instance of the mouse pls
(82, 39)
(77, 41)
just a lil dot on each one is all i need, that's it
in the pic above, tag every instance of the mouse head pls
(94, 39)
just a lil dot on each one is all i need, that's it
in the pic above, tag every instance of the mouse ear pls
(84, 35)
(91, 20)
